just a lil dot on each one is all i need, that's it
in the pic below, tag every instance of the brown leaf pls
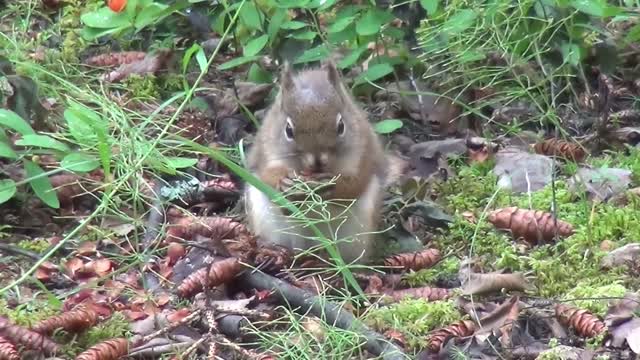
(427, 293)
(87, 248)
(73, 266)
(623, 309)
(106, 350)
(626, 254)
(178, 315)
(414, 261)
(475, 283)
(583, 322)
(533, 226)
(248, 94)
(174, 252)
(501, 320)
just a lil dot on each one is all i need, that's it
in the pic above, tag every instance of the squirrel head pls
(317, 122)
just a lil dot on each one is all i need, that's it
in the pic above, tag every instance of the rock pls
(621, 255)
(521, 171)
(602, 184)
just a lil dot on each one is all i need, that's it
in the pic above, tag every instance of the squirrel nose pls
(314, 162)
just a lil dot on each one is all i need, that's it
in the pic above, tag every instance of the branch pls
(376, 344)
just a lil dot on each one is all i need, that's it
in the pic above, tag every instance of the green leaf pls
(11, 120)
(317, 53)
(7, 190)
(89, 33)
(258, 75)
(254, 46)
(374, 73)
(201, 59)
(598, 8)
(293, 25)
(371, 22)
(304, 35)
(634, 34)
(104, 18)
(79, 162)
(430, 6)
(340, 24)
(42, 141)
(79, 120)
(6, 151)
(237, 62)
(151, 14)
(571, 53)
(351, 59)
(186, 58)
(292, 3)
(181, 162)
(41, 184)
(251, 16)
(275, 22)
(459, 22)
(387, 126)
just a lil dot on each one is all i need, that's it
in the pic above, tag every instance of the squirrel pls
(314, 128)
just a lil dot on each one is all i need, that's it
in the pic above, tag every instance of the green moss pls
(114, 327)
(143, 87)
(29, 313)
(445, 269)
(596, 298)
(414, 318)
(35, 245)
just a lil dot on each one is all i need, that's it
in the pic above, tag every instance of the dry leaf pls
(475, 283)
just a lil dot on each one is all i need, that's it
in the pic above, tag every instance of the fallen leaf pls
(476, 283)
(601, 184)
(626, 254)
(150, 64)
(87, 248)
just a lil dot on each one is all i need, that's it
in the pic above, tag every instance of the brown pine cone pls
(583, 322)
(107, 350)
(561, 148)
(439, 337)
(533, 226)
(79, 319)
(414, 261)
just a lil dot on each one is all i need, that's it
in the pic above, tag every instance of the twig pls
(376, 344)
(19, 251)
(171, 326)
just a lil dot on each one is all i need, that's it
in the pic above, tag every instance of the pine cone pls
(531, 225)
(583, 322)
(21, 336)
(216, 274)
(211, 227)
(106, 350)
(76, 320)
(8, 351)
(561, 148)
(428, 293)
(439, 337)
(116, 58)
(414, 261)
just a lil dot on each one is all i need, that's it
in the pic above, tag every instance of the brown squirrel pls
(315, 128)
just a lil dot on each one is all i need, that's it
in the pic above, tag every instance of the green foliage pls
(37, 245)
(114, 327)
(595, 298)
(414, 318)
(445, 269)
(387, 126)
(143, 87)
(28, 314)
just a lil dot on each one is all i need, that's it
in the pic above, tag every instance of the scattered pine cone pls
(437, 338)
(79, 319)
(414, 261)
(106, 350)
(561, 148)
(427, 293)
(8, 351)
(117, 58)
(19, 335)
(583, 322)
(216, 274)
(211, 227)
(534, 226)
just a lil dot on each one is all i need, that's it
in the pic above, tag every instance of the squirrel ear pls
(334, 75)
(286, 78)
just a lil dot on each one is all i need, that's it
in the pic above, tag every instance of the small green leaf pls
(372, 21)
(7, 190)
(351, 59)
(304, 35)
(633, 35)
(275, 22)
(7, 152)
(237, 62)
(201, 59)
(42, 141)
(314, 54)
(150, 14)
(104, 18)
(79, 162)
(292, 3)
(90, 34)
(254, 46)
(293, 25)
(571, 53)
(459, 22)
(251, 17)
(258, 75)
(598, 8)
(186, 58)
(181, 162)
(430, 6)
(340, 24)
(11, 120)
(374, 73)
(387, 126)
(41, 184)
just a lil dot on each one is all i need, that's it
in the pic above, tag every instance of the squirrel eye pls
(288, 129)
(340, 124)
